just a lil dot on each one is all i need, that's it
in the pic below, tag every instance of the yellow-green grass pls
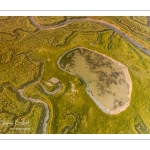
(30, 123)
(12, 103)
(75, 17)
(49, 20)
(6, 121)
(51, 44)
(140, 19)
(15, 28)
(136, 30)
(17, 70)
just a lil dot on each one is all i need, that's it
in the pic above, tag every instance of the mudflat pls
(107, 81)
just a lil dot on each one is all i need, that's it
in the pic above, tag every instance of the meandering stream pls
(21, 92)
(109, 25)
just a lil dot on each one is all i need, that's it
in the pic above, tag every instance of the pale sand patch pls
(73, 90)
(49, 84)
(42, 50)
(54, 80)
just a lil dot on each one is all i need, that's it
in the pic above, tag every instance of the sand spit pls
(89, 92)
